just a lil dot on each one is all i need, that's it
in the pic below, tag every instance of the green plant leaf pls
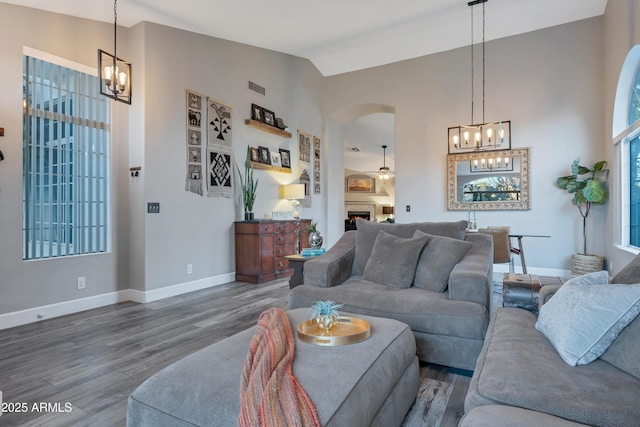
(594, 191)
(599, 166)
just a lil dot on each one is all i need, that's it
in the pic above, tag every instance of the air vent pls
(257, 88)
(354, 149)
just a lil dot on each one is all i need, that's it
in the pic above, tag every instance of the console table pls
(262, 245)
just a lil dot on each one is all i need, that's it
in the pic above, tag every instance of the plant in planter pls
(325, 314)
(315, 237)
(587, 185)
(249, 186)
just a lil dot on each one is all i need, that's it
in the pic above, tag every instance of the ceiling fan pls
(383, 172)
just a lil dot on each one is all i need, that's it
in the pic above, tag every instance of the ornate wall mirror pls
(495, 180)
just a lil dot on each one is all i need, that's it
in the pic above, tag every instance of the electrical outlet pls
(153, 207)
(82, 282)
(189, 268)
(408, 208)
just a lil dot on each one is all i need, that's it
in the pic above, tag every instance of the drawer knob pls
(281, 264)
(280, 251)
(280, 239)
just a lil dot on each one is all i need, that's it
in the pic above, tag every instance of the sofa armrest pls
(546, 292)
(471, 279)
(334, 266)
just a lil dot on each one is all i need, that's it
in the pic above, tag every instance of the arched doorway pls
(365, 127)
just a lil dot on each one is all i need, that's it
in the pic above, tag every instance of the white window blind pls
(65, 162)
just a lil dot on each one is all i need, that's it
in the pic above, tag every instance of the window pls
(65, 162)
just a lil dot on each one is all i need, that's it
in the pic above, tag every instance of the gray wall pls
(149, 252)
(547, 82)
(36, 283)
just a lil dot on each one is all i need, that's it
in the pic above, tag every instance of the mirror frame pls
(522, 204)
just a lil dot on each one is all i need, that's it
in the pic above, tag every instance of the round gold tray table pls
(348, 330)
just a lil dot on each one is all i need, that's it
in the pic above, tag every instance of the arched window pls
(626, 130)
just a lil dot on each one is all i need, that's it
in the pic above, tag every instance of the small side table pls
(522, 290)
(297, 262)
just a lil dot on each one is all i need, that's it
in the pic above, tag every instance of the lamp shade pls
(292, 191)
(387, 210)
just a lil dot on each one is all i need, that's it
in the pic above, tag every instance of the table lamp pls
(293, 192)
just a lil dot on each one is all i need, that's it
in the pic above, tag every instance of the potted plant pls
(325, 314)
(249, 186)
(587, 185)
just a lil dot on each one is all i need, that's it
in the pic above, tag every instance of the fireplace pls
(350, 222)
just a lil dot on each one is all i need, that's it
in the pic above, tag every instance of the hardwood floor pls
(85, 365)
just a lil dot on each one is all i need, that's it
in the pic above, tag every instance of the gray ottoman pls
(373, 382)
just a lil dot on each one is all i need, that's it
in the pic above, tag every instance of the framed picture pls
(265, 155)
(275, 159)
(257, 113)
(280, 123)
(269, 117)
(255, 155)
(285, 158)
(360, 185)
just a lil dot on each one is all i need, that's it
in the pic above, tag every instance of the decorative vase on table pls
(248, 216)
(315, 240)
(325, 314)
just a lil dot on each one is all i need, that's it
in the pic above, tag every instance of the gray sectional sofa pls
(521, 379)
(444, 297)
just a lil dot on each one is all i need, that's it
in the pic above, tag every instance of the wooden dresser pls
(261, 247)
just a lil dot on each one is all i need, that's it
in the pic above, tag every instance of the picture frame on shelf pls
(255, 155)
(285, 158)
(280, 123)
(360, 185)
(265, 155)
(269, 117)
(275, 159)
(257, 113)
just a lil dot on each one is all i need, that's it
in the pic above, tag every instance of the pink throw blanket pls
(270, 395)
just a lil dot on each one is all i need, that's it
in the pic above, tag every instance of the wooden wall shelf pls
(267, 128)
(264, 167)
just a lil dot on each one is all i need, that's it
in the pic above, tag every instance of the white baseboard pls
(31, 315)
(144, 297)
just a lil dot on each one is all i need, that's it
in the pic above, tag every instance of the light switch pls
(153, 207)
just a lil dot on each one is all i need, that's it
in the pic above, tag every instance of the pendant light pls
(384, 170)
(115, 73)
(484, 136)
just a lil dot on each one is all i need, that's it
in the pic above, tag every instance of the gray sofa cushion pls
(423, 311)
(623, 353)
(368, 230)
(437, 260)
(508, 416)
(630, 273)
(519, 367)
(393, 259)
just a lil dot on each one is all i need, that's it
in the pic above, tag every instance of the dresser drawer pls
(284, 226)
(284, 250)
(285, 239)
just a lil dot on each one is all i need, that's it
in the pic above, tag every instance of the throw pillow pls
(393, 260)
(586, 315)
(437, 260)
(630, 273)
(368, 231)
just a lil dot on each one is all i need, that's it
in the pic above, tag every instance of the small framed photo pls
(257, 113)
(269, 117)
(265, 155)
(275, 159)
(255, 155)
(285, 158)
(280, 123)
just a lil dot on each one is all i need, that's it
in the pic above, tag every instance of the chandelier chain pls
(472, 73)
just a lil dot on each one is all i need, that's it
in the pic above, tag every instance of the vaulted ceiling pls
(337, 36)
